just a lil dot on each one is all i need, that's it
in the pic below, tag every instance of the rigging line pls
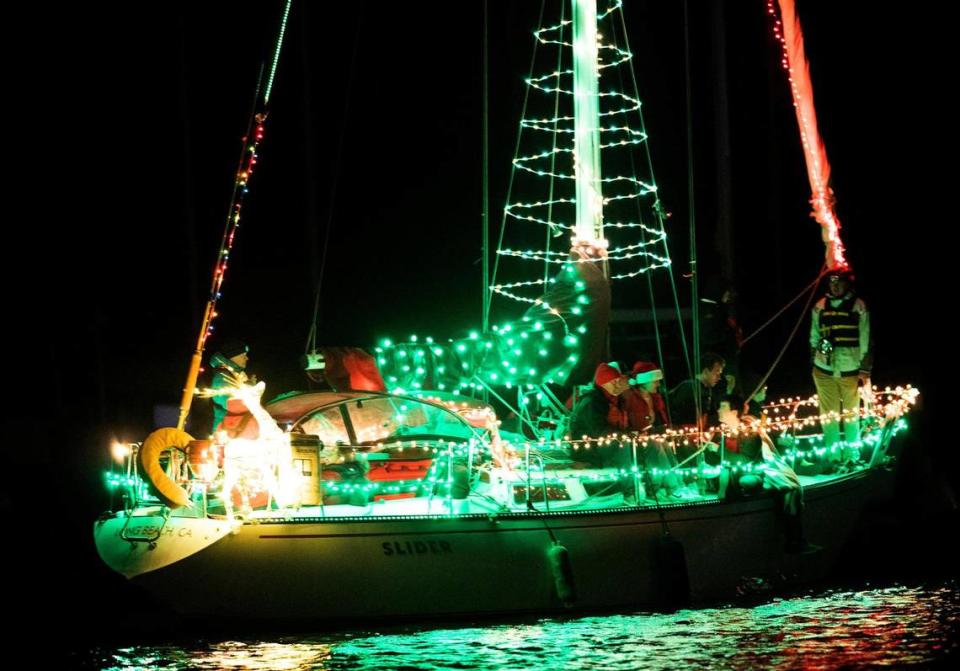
(513, 166)
(643, 233)
(553, 156)
(695, 279)
(256, 110)
(658, 207)
(793, 333)
(785, 307)
(237, 195)
(636, 94)
(485, 161)
(312, 335)
(633, 167)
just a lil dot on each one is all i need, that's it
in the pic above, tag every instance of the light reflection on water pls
(891, 627)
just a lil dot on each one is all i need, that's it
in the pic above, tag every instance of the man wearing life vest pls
(229, 369)
(840, 345)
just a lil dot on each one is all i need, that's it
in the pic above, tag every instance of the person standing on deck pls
(842, 359)
(229, 368)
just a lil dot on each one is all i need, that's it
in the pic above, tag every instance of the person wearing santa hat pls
(647, 412)
(601, 412)
(646, 408)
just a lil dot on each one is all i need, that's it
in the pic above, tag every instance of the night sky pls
(128, 128)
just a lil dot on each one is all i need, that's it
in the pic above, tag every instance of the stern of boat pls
(143, 540)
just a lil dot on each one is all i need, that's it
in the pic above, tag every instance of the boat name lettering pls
(397, 548)
(152, 530)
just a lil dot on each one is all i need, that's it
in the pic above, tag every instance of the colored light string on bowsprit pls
(240, 189)
(789, 34)
(636, 241)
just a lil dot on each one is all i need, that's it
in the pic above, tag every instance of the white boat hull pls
(378, 568)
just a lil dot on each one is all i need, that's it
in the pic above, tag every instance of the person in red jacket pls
(647, 413)
(646, 408)
(602, 412)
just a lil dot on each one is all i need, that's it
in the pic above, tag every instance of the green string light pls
(634, 247)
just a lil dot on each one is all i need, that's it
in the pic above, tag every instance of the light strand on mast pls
(586, 143)
(545, 164)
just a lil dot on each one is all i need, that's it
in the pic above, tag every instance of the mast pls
(586, 105)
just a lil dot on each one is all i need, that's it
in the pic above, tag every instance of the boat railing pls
(543, 480)
(533, 470)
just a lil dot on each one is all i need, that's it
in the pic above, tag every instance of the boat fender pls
(671, 582)
(562, 571)
(161, 440)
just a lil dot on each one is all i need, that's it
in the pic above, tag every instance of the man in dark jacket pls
(683, 399)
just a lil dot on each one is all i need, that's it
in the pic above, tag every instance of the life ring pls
(161, 440)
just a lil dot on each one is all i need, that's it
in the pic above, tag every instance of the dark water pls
(892, 627)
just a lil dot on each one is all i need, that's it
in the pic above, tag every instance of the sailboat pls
(416, 501)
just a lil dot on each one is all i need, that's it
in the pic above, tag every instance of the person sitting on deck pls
(647, 412)
(600, 412)
(646, 408)
(683, 397)
(683, 406)
(756, 462)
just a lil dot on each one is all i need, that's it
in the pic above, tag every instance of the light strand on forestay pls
(788, 33)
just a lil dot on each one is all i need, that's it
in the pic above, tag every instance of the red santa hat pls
(644, 371)
(604, 375)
